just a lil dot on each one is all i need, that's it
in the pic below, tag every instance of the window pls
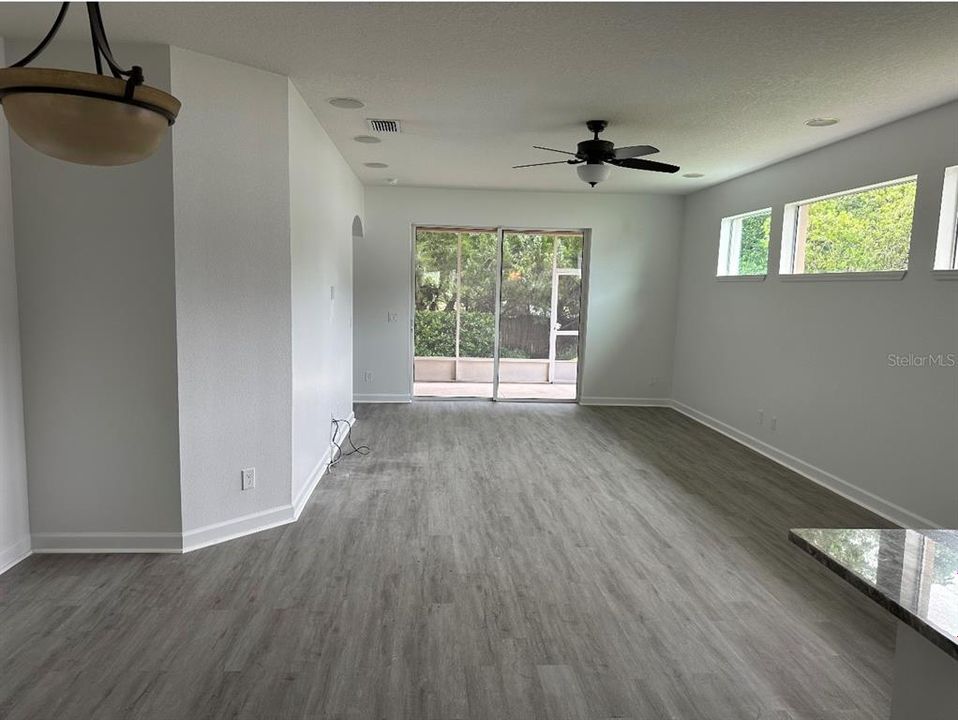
(863, 230)
(946, 254)
(743, 246)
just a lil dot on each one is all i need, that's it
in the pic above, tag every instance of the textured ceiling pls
(720, 88)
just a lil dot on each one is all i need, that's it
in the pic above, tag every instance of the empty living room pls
(478, 361)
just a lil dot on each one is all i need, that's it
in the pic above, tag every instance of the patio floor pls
(507, 391)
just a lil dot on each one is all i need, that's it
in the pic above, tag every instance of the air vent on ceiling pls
(384, 126)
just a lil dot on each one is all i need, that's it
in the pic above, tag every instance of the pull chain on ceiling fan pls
(594, 157)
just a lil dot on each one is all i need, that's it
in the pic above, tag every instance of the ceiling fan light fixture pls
(86, 118)
(594, 157)
(593, 173)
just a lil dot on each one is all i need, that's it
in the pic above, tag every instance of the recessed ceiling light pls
(392, 181)
(376, 165)
(821, 122)
(693, 175)
(346, 103)
(368, 139)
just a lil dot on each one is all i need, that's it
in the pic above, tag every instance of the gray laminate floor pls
(486, 561)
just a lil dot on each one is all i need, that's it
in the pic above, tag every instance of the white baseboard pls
(195, 539)
(233, 528)
(626, 402)
(107, 542)
(864, 498)
(12, 554)
(381, 398)
(321, 467)
(265, 519)
(173, 542)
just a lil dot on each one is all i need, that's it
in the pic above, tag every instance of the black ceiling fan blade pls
(564, 152)
(556, 162)
(637, 164)
(634, 151)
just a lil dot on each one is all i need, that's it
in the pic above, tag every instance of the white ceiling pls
(720, 88)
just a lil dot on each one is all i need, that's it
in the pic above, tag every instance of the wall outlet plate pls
(248, 478)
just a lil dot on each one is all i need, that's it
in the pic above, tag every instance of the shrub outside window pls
(743, 245)
(863, 230)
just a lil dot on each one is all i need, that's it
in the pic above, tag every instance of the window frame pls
(729, 250)
(946, 248)
(790, 234)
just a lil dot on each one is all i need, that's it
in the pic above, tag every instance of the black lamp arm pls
(101, 47)
(31, 56)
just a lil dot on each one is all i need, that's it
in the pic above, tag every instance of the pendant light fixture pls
(86, 118)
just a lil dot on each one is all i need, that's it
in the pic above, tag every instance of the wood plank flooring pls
(485, 561)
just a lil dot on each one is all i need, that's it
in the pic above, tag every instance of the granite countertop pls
(911, 573)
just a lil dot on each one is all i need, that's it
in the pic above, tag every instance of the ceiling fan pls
(594, 157)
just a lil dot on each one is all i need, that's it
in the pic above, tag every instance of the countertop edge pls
(932, 634)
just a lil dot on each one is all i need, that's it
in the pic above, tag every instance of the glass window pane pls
(526, 296)
(477, 331)
(864, 231)
(568, 302)
(435, 321)
(743, 246)
(454, 324)
(753, 244)
(567, 347)
(569, 252)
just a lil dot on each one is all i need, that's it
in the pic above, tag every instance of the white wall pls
(814, 354)
(324, 197)
(631, 307)
(14, 515)
(94, 258)
(231, 188)
(167, 309)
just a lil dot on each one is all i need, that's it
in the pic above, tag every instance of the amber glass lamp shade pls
(85, 118)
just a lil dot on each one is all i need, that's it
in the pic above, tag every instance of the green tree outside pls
(862, 232)
(753, 257)
(526, 293)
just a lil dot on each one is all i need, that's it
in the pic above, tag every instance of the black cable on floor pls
(339, 453)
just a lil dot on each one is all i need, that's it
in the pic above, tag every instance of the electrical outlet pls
(772, 423)
(248, 478)
(761, 417)
(392, 317)
(653, 380)
(367, 376)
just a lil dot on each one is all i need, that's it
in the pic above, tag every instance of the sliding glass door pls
(539, 315)
(455, 305)
(497, 313)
